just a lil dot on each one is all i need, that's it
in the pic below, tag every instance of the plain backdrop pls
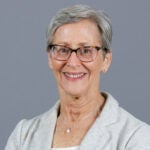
(27, 86)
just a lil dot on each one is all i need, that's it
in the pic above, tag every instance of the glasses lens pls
(60, 52)
(87, 53)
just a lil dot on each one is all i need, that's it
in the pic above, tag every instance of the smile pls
(74, 75)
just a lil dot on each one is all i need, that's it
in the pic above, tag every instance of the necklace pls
(68, 128)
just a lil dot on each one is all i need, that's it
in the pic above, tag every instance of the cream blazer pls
(114, 129)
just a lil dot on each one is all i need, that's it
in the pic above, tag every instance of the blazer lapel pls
(42, 140)
(49, 128)
(98, 137)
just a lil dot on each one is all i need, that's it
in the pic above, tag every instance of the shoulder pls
(135, 132)
(40, 120)
(129, 130)
(29, 130)
(119, 114)
(39, 123)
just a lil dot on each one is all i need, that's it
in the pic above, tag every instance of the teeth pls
(74, 75)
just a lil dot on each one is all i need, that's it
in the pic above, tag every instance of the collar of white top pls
(66, 148)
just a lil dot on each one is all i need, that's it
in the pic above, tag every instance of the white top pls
(66, 148)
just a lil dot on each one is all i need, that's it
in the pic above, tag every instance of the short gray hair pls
(79, 12)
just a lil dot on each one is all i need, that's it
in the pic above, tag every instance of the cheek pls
(100, 64)
(56, 66)
(96, 67)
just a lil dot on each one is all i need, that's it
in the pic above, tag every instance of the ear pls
(50, 61)
(106, 62)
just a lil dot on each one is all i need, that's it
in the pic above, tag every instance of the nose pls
(73, 60)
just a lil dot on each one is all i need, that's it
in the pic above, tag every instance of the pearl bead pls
(68, 130)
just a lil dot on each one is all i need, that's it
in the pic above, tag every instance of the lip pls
(74, 76)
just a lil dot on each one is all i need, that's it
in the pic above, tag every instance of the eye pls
(86, 51)
(62, 50)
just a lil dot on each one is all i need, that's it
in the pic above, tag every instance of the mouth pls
(74, 76)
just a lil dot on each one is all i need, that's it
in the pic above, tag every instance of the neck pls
(76, 108)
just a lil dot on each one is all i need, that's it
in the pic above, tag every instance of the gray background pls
(28, 88)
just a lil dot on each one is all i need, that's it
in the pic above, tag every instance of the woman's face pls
(73, 76)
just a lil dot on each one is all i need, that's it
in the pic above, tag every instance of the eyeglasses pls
(85, 54)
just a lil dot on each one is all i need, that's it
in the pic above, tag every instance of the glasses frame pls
(51, 46)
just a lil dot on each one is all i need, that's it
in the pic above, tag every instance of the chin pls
(76, 89)
(76, 92)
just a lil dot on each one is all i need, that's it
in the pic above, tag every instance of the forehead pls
(84, 31)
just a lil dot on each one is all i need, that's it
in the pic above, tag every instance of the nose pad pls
(73, 60)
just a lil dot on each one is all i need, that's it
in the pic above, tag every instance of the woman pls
(78, 47)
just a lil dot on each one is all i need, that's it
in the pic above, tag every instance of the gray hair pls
(79, 12)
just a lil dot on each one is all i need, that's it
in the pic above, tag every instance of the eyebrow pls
(69, 45)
